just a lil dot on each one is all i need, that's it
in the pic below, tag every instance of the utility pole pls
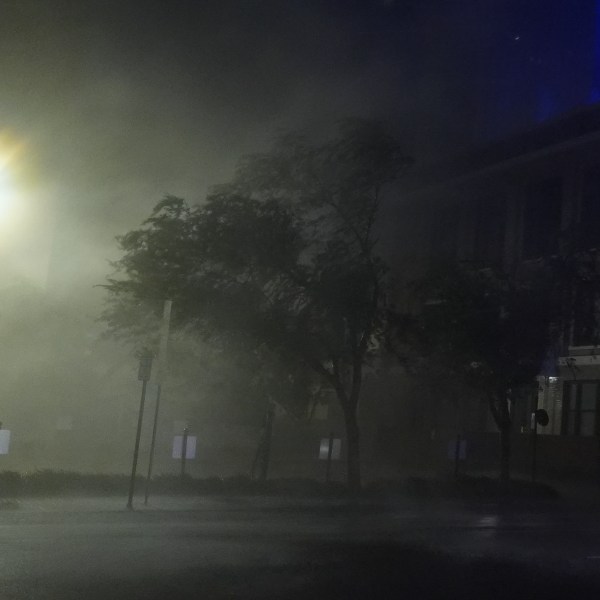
(143, 375)
(162, 367)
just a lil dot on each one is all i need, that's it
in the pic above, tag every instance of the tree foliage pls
(281, 260)
(484, 330)
(493, 332)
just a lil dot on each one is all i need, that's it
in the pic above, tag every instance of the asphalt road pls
(286, 548)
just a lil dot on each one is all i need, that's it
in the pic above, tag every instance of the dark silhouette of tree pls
(492, 332)
(485, 331)
(281, 260)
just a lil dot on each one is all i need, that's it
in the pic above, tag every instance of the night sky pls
(114, 104)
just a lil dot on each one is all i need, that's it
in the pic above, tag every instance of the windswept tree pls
(282, 259)
(485, 331)
(493, 332)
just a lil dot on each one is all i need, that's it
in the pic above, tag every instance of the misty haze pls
(300, 299)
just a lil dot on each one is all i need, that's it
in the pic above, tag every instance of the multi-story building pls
(509, 204)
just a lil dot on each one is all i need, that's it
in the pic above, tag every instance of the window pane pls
(571, 416)
(588, 423)
(588, 396)
(573, 392)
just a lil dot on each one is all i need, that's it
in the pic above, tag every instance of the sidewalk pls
(175, 503)
(109, 504)
(572, 495)
(577, 493)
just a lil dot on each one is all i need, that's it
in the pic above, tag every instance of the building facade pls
(510, 205)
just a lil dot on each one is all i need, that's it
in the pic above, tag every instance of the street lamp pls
(11, 179)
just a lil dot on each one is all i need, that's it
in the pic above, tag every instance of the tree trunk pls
(353, 450)
(263, 452)
(349, 405)
(501, 411)
(505, 454)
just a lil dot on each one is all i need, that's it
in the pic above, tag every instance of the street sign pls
(190, 447)
(4, 441)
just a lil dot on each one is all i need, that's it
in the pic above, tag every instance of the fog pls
(105, 108)
(108, 106)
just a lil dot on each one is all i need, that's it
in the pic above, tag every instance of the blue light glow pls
(538, 61)
(594, 94)
(547, 105)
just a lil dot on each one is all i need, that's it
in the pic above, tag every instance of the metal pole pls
(162, 365)
(268, 433)
(534, 450)
(534, 424)
(137, 446)
(183, 451)
(329, 453)
(152, 444)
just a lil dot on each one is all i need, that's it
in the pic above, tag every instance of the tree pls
(485, 330)
(240, 387)
(227, 383)
(282, 259)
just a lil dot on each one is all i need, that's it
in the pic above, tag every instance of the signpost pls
(457, 451)
(184, 448)
(144, 372)
(162, 365)
(184, 443)
(538, 417)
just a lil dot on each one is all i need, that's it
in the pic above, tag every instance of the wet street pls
(293, 548)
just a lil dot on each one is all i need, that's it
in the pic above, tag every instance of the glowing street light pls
(27, 212)
(11, 179)
(7, 195)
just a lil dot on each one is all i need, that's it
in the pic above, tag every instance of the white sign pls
(190, 447)
(4, 441)
(336, 449)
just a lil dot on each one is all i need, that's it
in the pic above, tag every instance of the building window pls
(542, 219)
(589, 216)
(580, 408)
(550, 398)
